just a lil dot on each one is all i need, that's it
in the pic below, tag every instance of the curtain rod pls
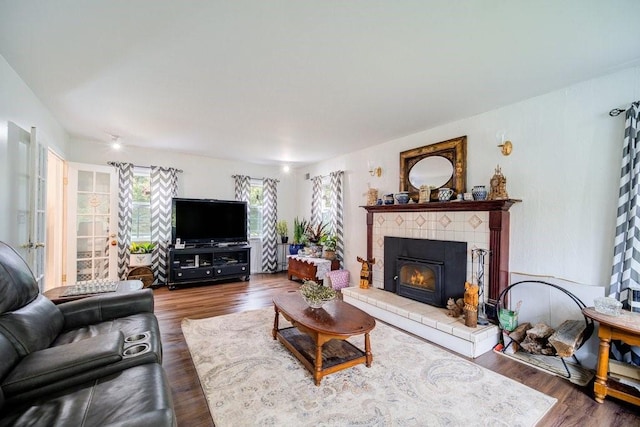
(138, 166)
(260, 179)
(617, 111)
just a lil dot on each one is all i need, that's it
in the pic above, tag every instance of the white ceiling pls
(295, 81)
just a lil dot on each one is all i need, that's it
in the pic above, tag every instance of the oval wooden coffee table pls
(317, 337)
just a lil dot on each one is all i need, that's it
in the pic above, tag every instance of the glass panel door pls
(93, 221)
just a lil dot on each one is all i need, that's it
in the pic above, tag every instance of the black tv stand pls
(208, 264)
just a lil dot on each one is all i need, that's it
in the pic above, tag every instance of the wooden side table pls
(626, 328)
(307, 268)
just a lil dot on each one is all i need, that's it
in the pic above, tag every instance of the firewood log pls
(537, 341)
(568, 337)
(519, 333)
(540, 331)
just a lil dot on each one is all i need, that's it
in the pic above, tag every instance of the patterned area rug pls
(251, 379)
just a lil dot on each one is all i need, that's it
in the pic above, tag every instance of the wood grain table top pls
(334, 318)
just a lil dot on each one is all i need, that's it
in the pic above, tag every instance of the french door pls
(28, 164)
(92, 248)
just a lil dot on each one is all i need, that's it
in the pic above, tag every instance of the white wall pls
(202, 177)
(565, 166)
(19, 104)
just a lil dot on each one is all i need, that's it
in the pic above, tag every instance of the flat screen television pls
(208, 221)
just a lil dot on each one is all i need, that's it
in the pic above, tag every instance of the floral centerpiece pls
(315, 294)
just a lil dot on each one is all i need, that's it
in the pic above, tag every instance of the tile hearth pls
(428, 322)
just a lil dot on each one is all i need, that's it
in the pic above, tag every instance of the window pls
(325, 203)
(255, 208)
(141, 222)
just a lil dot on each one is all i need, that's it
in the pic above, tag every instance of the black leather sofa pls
(90, 362)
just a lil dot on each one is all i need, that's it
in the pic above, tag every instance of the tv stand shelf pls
(208, 264)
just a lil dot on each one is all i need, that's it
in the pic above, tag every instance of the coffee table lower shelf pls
(336, 354)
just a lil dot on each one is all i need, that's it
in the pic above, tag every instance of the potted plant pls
(316, 295)
(315, 234)
(140, 253)
(329, 244)
(299, 227)
(283, 230)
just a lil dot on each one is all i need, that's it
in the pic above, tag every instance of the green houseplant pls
(329, 244)
(315, 233)
(140, 253)
(282, 228)
(299, 227)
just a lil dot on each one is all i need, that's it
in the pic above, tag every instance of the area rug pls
(250, 379)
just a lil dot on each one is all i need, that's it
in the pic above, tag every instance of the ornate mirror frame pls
(455, 150)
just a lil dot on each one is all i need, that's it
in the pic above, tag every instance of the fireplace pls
(429, 271)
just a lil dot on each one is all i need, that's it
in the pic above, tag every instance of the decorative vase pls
(330, 255)
(294, 248)
(388, 199)
(444, 194)
(479, 192)
(284, 239)
(402, 197)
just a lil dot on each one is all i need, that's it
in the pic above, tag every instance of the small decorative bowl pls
(607, 305)
(402, 197)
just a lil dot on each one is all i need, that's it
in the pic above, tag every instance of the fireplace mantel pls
(498, 228)
(475, 205)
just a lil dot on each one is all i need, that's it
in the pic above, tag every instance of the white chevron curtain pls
(625, 275)
(316, 200)
(164, 186)
(125, 215)
(269, 217)
(242, 190)
(337, 211)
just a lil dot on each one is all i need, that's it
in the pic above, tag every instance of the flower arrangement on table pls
(315, 294)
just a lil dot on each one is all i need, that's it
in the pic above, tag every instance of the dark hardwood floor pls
(575, 406)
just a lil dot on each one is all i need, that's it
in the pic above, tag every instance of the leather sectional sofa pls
(90, 362)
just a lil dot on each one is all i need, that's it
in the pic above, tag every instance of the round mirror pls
(435, 171)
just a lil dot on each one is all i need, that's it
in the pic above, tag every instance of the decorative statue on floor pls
(365, 271)
(471, 304)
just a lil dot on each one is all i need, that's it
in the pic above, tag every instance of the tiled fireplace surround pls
(483, 225)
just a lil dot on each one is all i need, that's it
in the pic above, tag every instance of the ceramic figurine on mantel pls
(498, 186)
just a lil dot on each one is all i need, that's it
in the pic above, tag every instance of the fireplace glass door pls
(420, 280)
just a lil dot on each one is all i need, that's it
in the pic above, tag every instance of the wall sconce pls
(506, 147)
(374, 170)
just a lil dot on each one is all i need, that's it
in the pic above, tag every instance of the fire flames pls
(418, 278)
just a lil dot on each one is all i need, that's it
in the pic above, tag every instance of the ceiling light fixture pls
(115, 142)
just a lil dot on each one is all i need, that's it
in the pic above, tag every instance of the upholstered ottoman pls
(338, 279)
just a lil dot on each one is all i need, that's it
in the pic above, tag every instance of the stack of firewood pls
(542, 339)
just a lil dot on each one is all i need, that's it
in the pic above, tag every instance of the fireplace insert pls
(429, 271)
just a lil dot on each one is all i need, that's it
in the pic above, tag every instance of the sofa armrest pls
(54, 364)
(100, 308)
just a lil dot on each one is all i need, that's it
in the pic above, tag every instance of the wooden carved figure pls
(455, 307)
(471, 304)
(365, 271)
